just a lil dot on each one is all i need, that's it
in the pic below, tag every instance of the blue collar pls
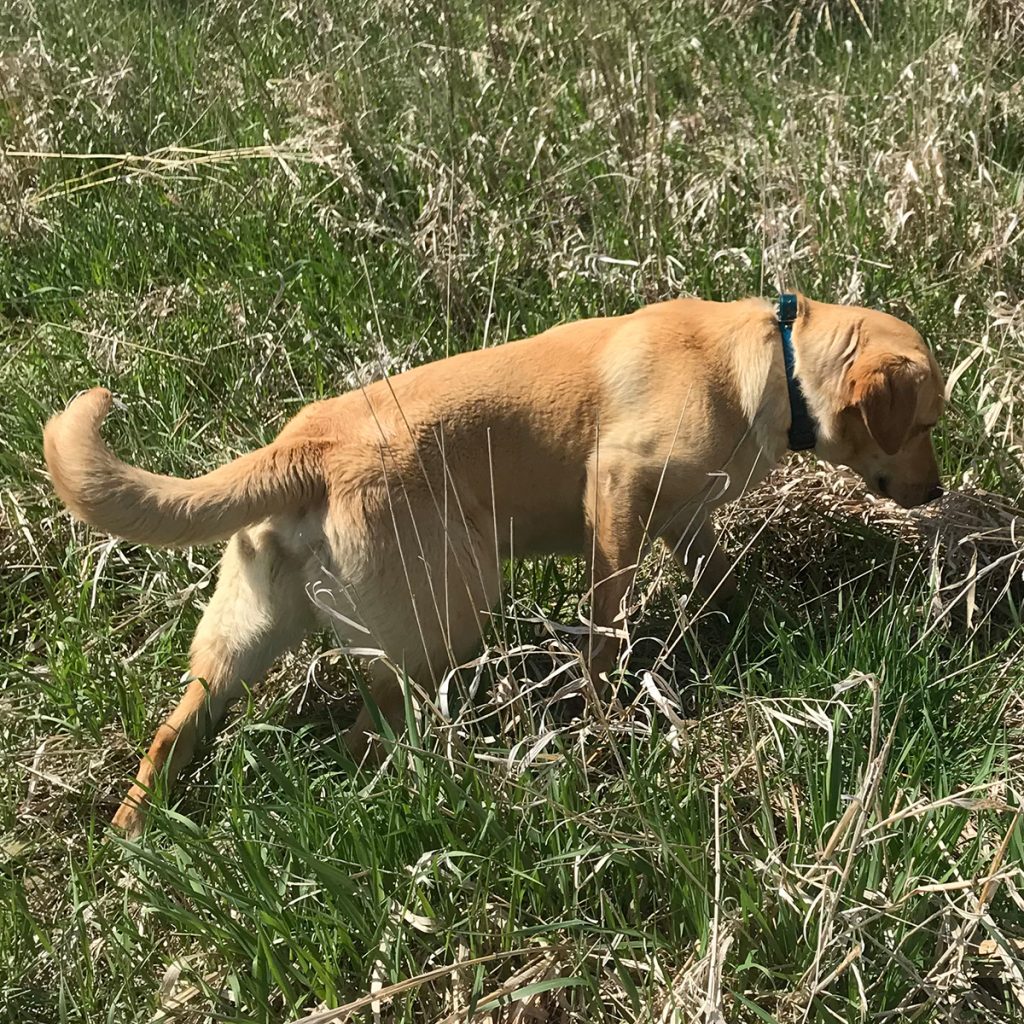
(803, 434)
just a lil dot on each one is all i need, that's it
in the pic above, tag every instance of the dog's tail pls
(147, 508)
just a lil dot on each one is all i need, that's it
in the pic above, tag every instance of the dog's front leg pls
(615, 516)
(695, 549)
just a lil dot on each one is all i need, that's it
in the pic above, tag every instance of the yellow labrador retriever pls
(387, 512)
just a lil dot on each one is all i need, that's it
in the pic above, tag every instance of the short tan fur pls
(387, 512)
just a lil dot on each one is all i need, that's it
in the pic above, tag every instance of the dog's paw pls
(130, 817)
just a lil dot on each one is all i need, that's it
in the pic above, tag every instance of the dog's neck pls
(803, 432)
(819, 360)
(823, 357)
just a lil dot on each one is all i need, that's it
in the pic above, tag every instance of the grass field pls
(222, 210)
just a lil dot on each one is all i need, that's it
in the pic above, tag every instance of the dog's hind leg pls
(258, 610)
(387, 698)
(426, 608)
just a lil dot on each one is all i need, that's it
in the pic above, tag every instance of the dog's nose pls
(936, 492)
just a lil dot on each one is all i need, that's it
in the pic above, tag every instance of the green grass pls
(288, 193)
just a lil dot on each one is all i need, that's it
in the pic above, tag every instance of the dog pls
(387, 512)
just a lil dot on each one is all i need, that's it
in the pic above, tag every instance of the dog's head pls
(889, 399)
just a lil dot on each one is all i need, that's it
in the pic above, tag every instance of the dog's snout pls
(909, 496)
(920, 497)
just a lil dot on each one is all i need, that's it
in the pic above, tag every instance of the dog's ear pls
(884, 392)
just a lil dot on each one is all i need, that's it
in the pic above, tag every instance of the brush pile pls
(972, 538)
